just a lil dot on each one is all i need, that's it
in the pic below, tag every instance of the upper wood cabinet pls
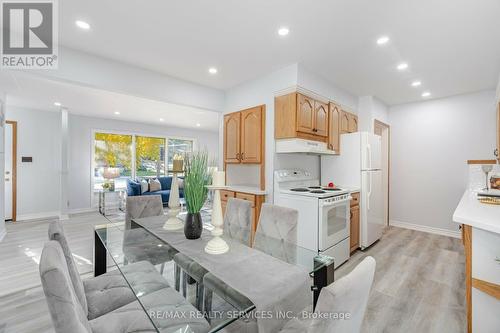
(243, 136)
(348, 122)
(334, 128)
(232, 137)
(299, 116)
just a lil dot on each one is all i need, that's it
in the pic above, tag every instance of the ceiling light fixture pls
(161, 119)
(82, 24)
(198, 125)
(416, 83)
(426, 94)
(117, 113)
(402, 66)
(283, 31)
(57, 104)
(383, 40)
(212, 70)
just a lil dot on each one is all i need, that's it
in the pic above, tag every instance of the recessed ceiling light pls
(161, 119)
(57, 104)
(283, 31)
(383, 40)
(117, 113)
(416, 83)
(198, 125)
(426, 94)
(82, 24)
(402, 66)
(212, 70)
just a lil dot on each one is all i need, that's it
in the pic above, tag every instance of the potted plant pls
(196, 179)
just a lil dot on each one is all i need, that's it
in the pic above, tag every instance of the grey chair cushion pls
(160, 305)
(65, 308)
(192, 268)
(227, 293)
(276, 233)
(237, 220)
(111, 291)
(56, 232)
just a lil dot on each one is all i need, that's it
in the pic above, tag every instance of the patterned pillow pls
(144, 185)
(154, 185)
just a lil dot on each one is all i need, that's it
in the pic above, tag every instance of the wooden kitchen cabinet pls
(300, 116)
(232, 138)
(334, 128)
(348, 122)
(354, 222)
(244, 136)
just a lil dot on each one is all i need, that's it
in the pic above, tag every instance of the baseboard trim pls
(37, 216)
(424, 228)
(83, 210)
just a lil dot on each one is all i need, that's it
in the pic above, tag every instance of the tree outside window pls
(112, 151)
(178, 147)
(149, 156)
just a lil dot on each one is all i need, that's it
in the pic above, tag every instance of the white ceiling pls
(452, 46)
(29, 91)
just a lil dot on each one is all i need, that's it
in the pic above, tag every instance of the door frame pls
(379, 124)
(14, 168)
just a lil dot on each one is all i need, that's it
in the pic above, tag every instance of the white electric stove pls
(324, 212)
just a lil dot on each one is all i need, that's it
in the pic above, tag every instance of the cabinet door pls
(344, 122)
(334, 128)
(354, 228)
(251, 135)
(232, 137)
(320, 119)
(305, 114)
(353, 123)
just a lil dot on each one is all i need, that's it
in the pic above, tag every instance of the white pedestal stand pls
(173, 222)
(217, 245)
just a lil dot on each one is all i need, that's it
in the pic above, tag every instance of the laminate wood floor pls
(419, 282)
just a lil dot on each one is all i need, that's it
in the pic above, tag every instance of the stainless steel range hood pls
(288, 146)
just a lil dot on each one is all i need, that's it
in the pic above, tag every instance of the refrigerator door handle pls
(369, 156)
(369, 191)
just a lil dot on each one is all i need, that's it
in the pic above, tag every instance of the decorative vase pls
(193, 226)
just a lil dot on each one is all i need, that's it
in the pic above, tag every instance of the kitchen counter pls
(478, 215)
(246, 189)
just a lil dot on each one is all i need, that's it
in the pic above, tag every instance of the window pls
(112, 151)
(178, 147)
(149, 156)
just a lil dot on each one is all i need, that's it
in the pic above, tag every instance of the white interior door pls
(8, 170)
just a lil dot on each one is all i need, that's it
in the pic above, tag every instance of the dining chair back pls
(65, 308)
(276, 232)
(142, 206)
(346, 296)
(237, 220)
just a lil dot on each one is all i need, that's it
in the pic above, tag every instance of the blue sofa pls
(134, 189)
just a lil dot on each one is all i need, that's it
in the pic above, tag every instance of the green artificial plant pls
(197, 177)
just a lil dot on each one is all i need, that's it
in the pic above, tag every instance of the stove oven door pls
(334, 224)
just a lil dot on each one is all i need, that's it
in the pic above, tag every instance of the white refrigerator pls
(359, 166)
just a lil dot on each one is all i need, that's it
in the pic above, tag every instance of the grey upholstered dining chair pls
(68, 314)
(237, 220)
(348, 295)
(276, 235)
(136, 248)
(105, 293)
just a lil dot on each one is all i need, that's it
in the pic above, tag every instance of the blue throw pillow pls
(166, 182)
(133, 188)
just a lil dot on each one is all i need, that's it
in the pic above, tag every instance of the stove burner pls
(299, 189)
(318, 191)
(332, 189)
(314, 187)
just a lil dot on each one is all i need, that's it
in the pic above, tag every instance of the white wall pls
(430, 144)
(369, 109)
(2, 167)
(498, 90)
(80, 133)
(38, 183)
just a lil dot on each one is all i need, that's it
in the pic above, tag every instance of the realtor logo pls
(29, 34)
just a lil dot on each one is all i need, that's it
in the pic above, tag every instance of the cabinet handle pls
(496, 152)
(242, 156)
(351, 215)
(238, 156)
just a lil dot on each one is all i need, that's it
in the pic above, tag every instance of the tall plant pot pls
(193, 226)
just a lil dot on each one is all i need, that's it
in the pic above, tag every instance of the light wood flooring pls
(419, 282)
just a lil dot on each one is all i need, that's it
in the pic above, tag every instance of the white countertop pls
(246, 189)
(478, 215)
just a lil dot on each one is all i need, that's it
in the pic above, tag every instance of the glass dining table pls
(111, 248)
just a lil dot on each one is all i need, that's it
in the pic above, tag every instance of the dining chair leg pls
(177, 277)
(207, 300)
(162, 268)
(184, 284)
(199, 295)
